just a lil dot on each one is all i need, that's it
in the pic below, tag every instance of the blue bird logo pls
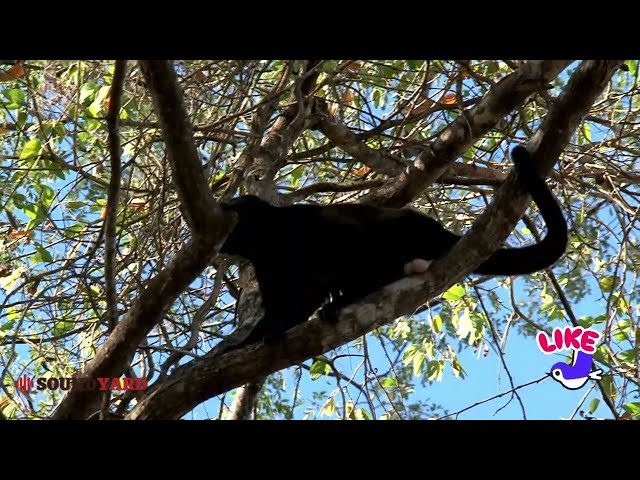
(574, 376)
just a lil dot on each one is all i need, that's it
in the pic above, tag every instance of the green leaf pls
(34, 222)
(378, 97)
(593, 405)
(319, 368)
(42, 255)
(607, 283)
(455, 293)
(633, 408)
(437, 324)
(74, 230)
(456, 366)
(99, 103)
(628, 356)
(74, 205)
(435, 369)
(13, 314)
(418, 362)
(465, 325)
(409, 354)
(348, 410)
(296, 175)
(16, 97)
(362, 414)
(586, 129)
(31, 150)
(608, 387)
(30, 211)
(389, 382)
(415, 64)
(88, 90)
(46, 195)
(62, 327)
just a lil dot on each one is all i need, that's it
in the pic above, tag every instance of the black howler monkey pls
(305, 254)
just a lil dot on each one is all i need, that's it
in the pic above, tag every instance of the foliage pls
(54, 173)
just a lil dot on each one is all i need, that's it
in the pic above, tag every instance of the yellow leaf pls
(8, 283)
(329, 408)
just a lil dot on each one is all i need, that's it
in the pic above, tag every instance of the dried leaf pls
(137, 203)
(18, 234)
(200, 76)
(13, 73)
(449, 99)
(347, 97)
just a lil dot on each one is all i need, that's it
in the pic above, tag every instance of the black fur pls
(305, 254)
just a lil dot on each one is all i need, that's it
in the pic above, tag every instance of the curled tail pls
(525, 260)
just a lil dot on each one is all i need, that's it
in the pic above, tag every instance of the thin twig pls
(492, 398)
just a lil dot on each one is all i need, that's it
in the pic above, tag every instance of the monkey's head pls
(253, 215)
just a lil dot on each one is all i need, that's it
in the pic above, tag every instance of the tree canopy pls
(111, 178)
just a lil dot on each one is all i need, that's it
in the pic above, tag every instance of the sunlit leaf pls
(31, 149)
(329, 408)
(455, 293)
(389, 382)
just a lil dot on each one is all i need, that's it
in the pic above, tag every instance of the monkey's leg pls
(284, 309)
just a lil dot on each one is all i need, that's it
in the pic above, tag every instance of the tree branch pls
(212, 375)
(209, 227)
(200, 210)
(506, 95)
(111, 214)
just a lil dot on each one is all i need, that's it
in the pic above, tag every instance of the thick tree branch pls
(200, 210)
(111, 214)
(342, 136)
(245, 400)
(212, 375)
(209, 227)
(506, 95)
